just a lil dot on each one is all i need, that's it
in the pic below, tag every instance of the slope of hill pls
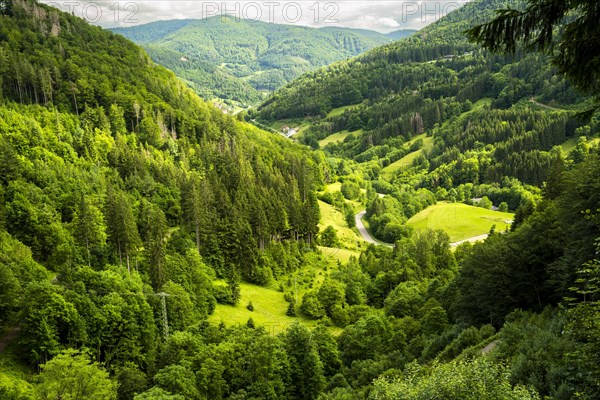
(460, 221)
(128, 207)
(237, 59)
(476, 109)
(118, 182)
(401, 34)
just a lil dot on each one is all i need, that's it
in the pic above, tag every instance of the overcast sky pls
(382, 16)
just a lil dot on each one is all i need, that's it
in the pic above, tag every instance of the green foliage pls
(478, 379)
(131, 381)
(236, 59)
(17, 270)
(49, 320)
(485, 203)
(177, 379)
(15, 389)
(156, 393)
(535, 264)
(311, 306)
(328, 237)
(291, 311)
(71, 376)
(350, 190)
(306, 372)
(331, 294)
(535, 26)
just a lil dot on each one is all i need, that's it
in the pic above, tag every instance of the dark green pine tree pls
(553, 185)
(122, 228)
(88, 226)
(574, 48)
(196, 198)
(306, 367)
(312, 215)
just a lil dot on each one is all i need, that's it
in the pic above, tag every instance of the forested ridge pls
(462, 117)
(136, 218)
(234, 59)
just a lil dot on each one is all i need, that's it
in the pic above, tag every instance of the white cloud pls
(383, 16)
(373, 23)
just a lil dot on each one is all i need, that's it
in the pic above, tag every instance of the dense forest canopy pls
(478, 118)
(153, 247)
(235, 59)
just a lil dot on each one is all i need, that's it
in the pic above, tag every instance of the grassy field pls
(338, 137)
(269, 310)
(269, 304)
(334, 255)
(330, 216)
(334, 187)
(459, 220)
(572, 142)
(340, 110)
(389, 171)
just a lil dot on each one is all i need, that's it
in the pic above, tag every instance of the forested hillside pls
(436, 116)
(235, 59)
(118, 183)
(154, 248)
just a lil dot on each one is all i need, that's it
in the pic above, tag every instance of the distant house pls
(287, 131)
(477, 200)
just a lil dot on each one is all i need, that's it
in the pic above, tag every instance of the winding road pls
(369, 239)
(361, 228)
(473, 239)
(537, 103)
(365, 233)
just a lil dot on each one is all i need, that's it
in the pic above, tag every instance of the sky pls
(381, 16)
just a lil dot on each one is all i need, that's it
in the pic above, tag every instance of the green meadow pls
(459, 220)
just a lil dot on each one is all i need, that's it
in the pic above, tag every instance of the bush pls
(350, 190)
(250, 307)
(503, 207)
(485, 203)
(291, 311)
(311, 306)
(466, 380)
(350, 218)
(329, 237)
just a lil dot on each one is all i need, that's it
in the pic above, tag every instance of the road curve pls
(473, 239)
(369, 239)
(361, 228)
(365, 233)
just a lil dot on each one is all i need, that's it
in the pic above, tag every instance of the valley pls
(243, 210)
(237, 62)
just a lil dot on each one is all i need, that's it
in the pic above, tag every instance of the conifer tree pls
(122, 228)
(574, 47)
(89, 229)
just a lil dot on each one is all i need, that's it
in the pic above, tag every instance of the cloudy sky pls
(382, 16)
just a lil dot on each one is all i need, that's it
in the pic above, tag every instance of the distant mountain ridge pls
(237, 60)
